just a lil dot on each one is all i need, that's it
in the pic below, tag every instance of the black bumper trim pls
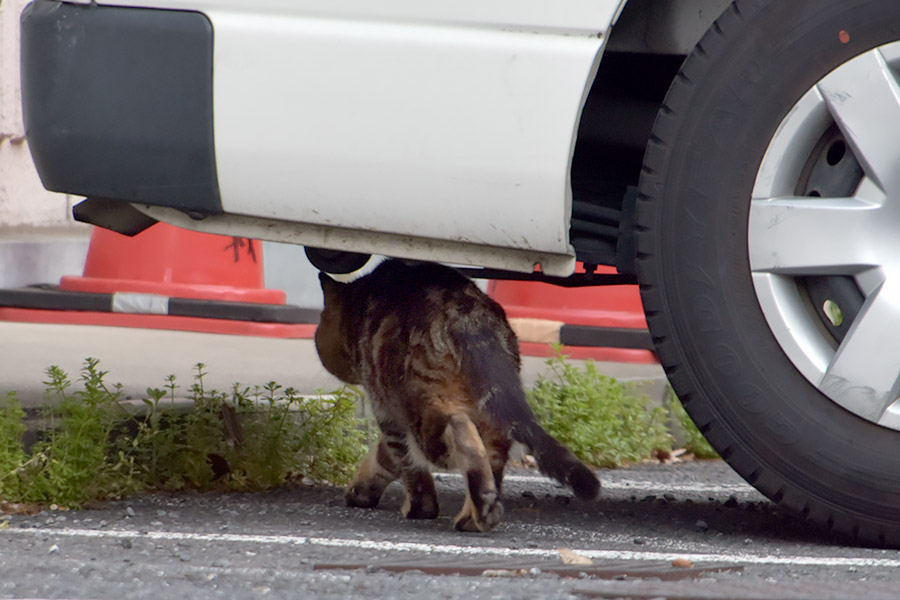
(606, 337)
(118, 103)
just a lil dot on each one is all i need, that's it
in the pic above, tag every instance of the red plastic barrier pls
(171, 261)
(603, 307)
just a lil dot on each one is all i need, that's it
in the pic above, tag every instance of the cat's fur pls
(440, 364)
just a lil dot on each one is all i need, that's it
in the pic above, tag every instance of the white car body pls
(432, 130)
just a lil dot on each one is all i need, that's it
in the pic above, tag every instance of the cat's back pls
(433, 288)
(410, 301)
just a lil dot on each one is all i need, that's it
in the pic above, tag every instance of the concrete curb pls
(142, 358)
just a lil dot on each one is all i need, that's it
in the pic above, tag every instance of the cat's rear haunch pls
(440, 364)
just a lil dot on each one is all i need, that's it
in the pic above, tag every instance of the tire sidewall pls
(720, 116)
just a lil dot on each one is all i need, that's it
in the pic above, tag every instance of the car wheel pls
(768, 253)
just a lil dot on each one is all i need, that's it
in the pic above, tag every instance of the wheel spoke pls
(846, 225)
(864, 98)
(864, 377)
(803, 236)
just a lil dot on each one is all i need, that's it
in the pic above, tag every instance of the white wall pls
(39, 241)
(24, 204)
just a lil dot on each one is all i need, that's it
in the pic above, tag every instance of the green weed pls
(249, 439)
(254, 438)
(12, 454)
(595, 417)
(73, 463)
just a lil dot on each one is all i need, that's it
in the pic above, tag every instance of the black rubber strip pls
(242, 311)
(50, 297)
(605, 337)
(53, 298)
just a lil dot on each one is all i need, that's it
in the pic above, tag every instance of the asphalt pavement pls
(688, 531)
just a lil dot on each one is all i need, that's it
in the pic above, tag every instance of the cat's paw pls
(465, 523)
(492, 513)
(483, 518)
(424, 507)
(362, 496)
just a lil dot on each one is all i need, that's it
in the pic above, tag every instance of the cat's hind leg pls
(377, 470)
(421, 497)
(482, 509)
(498, 446)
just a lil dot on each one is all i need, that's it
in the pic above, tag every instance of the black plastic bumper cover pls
(118, 103)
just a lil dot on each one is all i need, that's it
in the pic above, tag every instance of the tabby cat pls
(440, 364)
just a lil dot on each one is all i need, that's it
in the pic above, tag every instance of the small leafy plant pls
(595, 417)
(249, 439)
(12, 455)
(73, 463)
(97, 446)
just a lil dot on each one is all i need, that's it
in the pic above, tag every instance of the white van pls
(738, 160)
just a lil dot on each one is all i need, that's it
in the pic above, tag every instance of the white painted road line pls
(458, 550)
(700, 488)
(638, 485)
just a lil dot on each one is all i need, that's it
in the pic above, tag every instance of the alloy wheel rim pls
(824, 235)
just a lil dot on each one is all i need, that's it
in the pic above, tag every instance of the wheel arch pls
(645, 48)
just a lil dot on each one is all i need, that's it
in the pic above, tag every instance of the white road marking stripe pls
(680, 487)
(545, 553)
(138, 303)
(636, 485)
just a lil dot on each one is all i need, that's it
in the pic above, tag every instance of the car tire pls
(751, 364)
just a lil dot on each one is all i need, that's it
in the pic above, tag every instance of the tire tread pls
(659, 154)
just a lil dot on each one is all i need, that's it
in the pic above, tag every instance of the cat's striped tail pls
(494, 376)
(555, 460)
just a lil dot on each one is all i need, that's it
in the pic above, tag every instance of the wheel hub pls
(823, 235)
